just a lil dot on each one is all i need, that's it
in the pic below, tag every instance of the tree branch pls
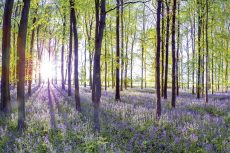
(127, 3)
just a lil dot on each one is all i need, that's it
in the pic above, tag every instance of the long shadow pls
(51, 109)
(86, 115)
(14, 134)
(64, 115)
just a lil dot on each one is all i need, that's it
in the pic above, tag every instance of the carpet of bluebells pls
(129, 125)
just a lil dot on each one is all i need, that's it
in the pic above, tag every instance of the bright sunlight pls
(47, 69)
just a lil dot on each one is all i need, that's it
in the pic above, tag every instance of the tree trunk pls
(158, 88)
(178, 49)
(6, 38)
(21, 45)
(167, 49)
(31, 58)
(62, 53)
(162, 50)
(188, 59)
(122, 43)
(85, 65)
(199, 49)
(173, 102)
(207, 53)
(76, 80)
(99, 32)
(106, 67)
(117, 96)
(70, 55)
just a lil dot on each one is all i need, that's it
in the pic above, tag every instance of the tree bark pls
(158, 88)
(63, 52)
(173, 101)
(162, 50)
(21, 45)
(117, 95)
(122, 43)
(75, 33)
(70, 54)
(207, 53)
(167, 49)
(199, 49)
(31, 58)
(6, 38)
(99, 32)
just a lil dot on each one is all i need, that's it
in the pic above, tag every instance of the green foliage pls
(211, 110)
(92, 146)
(227, 119)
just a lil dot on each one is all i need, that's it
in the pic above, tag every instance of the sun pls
(47, 69)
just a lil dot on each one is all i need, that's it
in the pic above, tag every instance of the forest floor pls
(129, 125)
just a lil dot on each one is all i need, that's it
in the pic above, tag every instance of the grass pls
(124, 127)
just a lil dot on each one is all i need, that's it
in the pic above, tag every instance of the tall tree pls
(207, 54)
(122, 42)
(117, 95)
(99, 32)
(158, 51)
(199, 48)
(70, 54)
(21, 46)
(167, 49)
(178, 49)
(6, 38)
(73, 21)
(63, 51)
(162, 49)
(173, 101)
(31, 56)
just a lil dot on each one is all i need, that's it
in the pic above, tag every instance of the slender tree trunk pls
(99, 32)
(162, 50)
(122, 43)
(178, 48)
(131, 60)
(167, 49)
(199, 49)
(112, 58)
(6, 38)
(158, 88)
(106, 67)
(193, 52)
(70, 56)
(85, 65)
(188, 59)
(126, 50)
(73, 21)
(21, 45)
(31, 58)
(63, 52)
(173, 102)
(207, 54)
(117, 96)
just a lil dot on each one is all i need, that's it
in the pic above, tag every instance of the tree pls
(6, 38)
(207, 54)
(117, 95)
(199, 49)
(167, 49)
(158, 51)
(21, 46)
(70, 55)
(31, 58)
(99, 31)
(173, 101)
(63, 51)
(76, 80)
